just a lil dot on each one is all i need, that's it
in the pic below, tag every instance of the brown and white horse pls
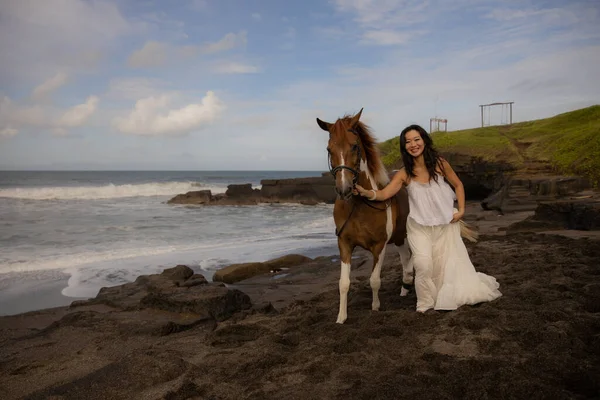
(354, 158)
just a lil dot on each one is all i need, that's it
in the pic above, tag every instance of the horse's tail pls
(468, 232)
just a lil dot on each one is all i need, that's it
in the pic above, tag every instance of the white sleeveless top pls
(431, 203)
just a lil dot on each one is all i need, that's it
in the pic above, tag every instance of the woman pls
(445, 278)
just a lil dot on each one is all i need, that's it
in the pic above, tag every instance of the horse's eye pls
(355, 147)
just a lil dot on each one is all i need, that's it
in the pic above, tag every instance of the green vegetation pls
(570, 142)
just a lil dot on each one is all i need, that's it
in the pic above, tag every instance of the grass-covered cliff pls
(569, 142)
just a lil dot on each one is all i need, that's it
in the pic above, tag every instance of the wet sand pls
(23, 292)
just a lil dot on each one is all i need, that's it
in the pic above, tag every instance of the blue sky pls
(224, 84)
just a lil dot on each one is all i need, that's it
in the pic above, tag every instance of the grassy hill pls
(568, 142)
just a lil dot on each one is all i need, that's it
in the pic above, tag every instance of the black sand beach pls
(540, 340)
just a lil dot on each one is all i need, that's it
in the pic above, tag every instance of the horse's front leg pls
(346, 259)
(378, 252)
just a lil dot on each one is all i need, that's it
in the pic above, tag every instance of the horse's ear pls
(324, 125)
(356, 118)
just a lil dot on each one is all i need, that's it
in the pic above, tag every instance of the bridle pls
(355, 174)
(355, 171)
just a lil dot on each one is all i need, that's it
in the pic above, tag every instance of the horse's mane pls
(371, 149)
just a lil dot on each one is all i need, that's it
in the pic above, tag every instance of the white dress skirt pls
(445, 278)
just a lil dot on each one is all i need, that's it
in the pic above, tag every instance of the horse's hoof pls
(340, 320)
(404, 292)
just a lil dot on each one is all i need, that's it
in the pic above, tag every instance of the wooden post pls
(481, 115)
(511, 113)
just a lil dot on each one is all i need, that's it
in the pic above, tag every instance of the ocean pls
(91, 229)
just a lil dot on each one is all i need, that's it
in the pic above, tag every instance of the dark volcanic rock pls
(580, 214)
(479, 177)
(525, 193)
(238, 272)
(318, 189)
(241, 190)
(177, 290)
(193, 197)
(308, 191)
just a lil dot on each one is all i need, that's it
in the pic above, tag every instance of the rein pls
(388, 203)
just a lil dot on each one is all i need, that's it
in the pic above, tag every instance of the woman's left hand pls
(457, 216)
(359, 190)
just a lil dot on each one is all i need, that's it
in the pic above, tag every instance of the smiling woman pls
(445, 278)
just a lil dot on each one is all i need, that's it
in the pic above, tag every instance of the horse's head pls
(344, 150)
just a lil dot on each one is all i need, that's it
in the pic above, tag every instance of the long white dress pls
(445, 278)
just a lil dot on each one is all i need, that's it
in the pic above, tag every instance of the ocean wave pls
(105, 192)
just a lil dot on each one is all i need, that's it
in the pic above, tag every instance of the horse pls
(354, 158)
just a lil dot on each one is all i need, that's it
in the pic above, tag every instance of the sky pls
(237, 85)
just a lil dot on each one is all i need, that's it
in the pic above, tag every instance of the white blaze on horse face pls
(346, 183)
(344, 287)
(343, 171)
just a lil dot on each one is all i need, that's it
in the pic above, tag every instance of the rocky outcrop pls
(176, 290)
(193, 197)
(238, 272)
(524, 193)
(309, 191)
(577, 213)
(301, 190)
(480, 178)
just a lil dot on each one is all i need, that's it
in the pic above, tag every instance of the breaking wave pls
(105, 192)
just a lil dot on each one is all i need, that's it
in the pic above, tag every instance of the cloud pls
(541, 85)
(386, 38)
(256, 16)
(14, 117)
(235, 68)
(151, 116)
(78, 115)
(398, 22)
(49, 86)
(228, 42)
(153, 54)
(8, 132)
(134, 88)
(62, 33)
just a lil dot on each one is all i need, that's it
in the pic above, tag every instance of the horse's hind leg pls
(378, 256)
(407, 268)
(344, 284)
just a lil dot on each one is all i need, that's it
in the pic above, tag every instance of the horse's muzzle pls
(344, 193)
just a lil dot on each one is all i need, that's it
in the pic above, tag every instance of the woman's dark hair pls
(430, 154)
